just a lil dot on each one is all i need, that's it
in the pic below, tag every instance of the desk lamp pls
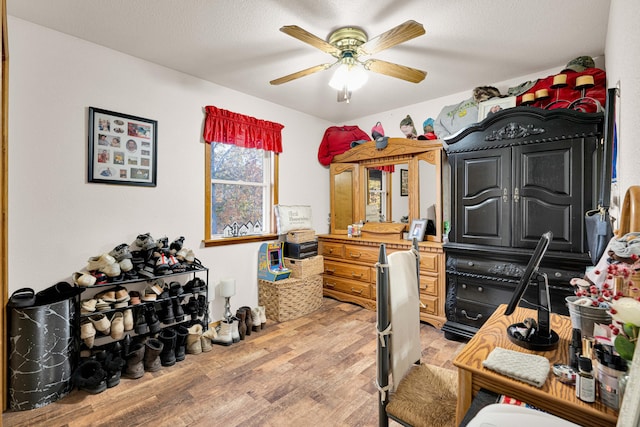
(227, 289)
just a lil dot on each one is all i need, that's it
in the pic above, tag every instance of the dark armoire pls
(515, 175)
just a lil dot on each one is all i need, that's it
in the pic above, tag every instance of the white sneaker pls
(224, 334)
(257, 323)
(235, 333)
(128, 320)
(99, 262)
(83, 279)
(263, 316)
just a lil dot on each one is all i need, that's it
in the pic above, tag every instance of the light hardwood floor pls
(317, 370)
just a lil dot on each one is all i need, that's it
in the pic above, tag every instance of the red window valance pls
(244, 131)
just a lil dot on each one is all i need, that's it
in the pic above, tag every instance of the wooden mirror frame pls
(397, 151)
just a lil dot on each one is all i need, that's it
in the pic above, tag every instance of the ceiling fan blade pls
(300, 73)
(409, 74)
(400, 34)
(305, 36)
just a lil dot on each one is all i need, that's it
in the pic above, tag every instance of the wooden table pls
(554, 397)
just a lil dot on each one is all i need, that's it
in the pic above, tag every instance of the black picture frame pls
(404, 182)
(123, 149)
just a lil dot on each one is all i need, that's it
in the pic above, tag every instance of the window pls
(241, 185)
(241, 192)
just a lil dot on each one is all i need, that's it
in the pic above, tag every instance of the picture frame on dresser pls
(417, 230)
(123, 149)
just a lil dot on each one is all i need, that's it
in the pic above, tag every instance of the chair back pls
(398, 319)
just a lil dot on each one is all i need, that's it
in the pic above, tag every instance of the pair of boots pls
(99, 372)
(143, 357)
(254, 319)
(227, 332)
(174, 341)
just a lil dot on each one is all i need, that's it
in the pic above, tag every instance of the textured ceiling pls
(237, 43)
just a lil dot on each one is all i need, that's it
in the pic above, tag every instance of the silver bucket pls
(584, 317)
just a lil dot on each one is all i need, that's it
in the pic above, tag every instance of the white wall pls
(57, 220)
(623, 66)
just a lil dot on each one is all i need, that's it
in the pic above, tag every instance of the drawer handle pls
(558, 274)
(330, 270)
(330, 285)
(353, 274)
(480, 289)
(352, 255)
(464, 286)
(356, 291)
(330, 250)
(470, 263)
(478, 317)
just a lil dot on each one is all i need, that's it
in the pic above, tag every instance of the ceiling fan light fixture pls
(349, 75)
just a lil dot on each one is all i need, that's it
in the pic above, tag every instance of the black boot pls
(90, 377)
(177, 310)
(113, 366)
(202, 305)
(192, 308)
(168, 339)
(152, 319)
(167, 312)
(140, 326)
(182, 332)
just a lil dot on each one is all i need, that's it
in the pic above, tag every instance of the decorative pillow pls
(290, 218)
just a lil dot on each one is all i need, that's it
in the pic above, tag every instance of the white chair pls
(411, 393)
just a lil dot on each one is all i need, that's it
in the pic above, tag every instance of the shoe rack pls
(172, 289)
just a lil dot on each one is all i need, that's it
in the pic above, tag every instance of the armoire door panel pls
(548, 179)
(483, 202)
(557, 219)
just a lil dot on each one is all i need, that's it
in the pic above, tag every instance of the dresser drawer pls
(349, 271)
(364, 254)
(347, 286)
(430, 304)
(428, 285)
(429, 262)
(331, 250)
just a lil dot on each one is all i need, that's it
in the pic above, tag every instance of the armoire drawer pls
(472, 313)
(484, 291)
(349, 271)
(330, 250)
(347, 286)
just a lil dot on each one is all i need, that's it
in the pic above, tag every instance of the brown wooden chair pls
(630, 212)
(411, 393)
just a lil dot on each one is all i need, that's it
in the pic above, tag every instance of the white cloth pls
(404, 347)
(529, 368)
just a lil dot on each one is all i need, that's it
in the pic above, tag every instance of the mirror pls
(384, 199)
(343, 196)
(399, 184)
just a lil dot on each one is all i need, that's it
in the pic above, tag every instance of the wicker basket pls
(301, 236)
(289, 299)
(301, 268)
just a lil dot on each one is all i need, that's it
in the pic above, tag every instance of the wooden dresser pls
(387, 190)
(350, 272)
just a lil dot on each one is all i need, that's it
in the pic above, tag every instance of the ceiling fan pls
(347, 44)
